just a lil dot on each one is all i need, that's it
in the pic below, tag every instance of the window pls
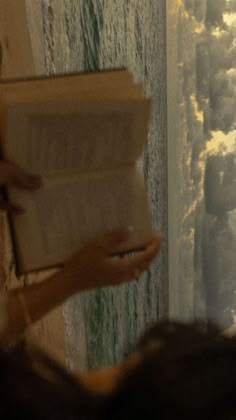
(201, 95)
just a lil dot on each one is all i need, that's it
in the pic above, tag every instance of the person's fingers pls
(137, 263)
(144, 259)
(12, 174)
(11, 208)
(4, 205)
(110, 242)
(28, 182)
(149, 254)
(15, 209)
(23, 180)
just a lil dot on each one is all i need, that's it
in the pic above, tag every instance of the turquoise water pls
(102, 326)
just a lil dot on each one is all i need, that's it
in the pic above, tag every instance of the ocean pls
(102, 326)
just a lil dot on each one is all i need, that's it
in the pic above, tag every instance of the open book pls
(84, 134)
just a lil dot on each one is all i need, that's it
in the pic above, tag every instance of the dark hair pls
(191, 376)
(35, 387)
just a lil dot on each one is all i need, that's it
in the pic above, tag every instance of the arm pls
(106, 380)
(92, 266)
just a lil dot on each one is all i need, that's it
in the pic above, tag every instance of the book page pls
(55, 86)
(68, 213)
(55, 139)
(47, 91)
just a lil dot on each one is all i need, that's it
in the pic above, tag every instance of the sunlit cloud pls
(173, 6)
(221, 141)
(229, 18)
(198, 114)
(200, 28)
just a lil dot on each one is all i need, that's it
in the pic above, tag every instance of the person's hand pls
(12, 174)
(93, 266)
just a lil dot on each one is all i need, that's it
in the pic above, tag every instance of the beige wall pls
(22, 56)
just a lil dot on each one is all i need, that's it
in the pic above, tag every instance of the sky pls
(219, 137)
(229, 140)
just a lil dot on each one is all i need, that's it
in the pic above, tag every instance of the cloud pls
(222, 102)
(216, 74)
(214, 13)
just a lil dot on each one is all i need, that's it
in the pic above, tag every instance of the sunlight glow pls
(226, 142)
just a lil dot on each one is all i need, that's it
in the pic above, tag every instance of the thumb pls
(12, 174)
(11, 208)
(112, 240)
